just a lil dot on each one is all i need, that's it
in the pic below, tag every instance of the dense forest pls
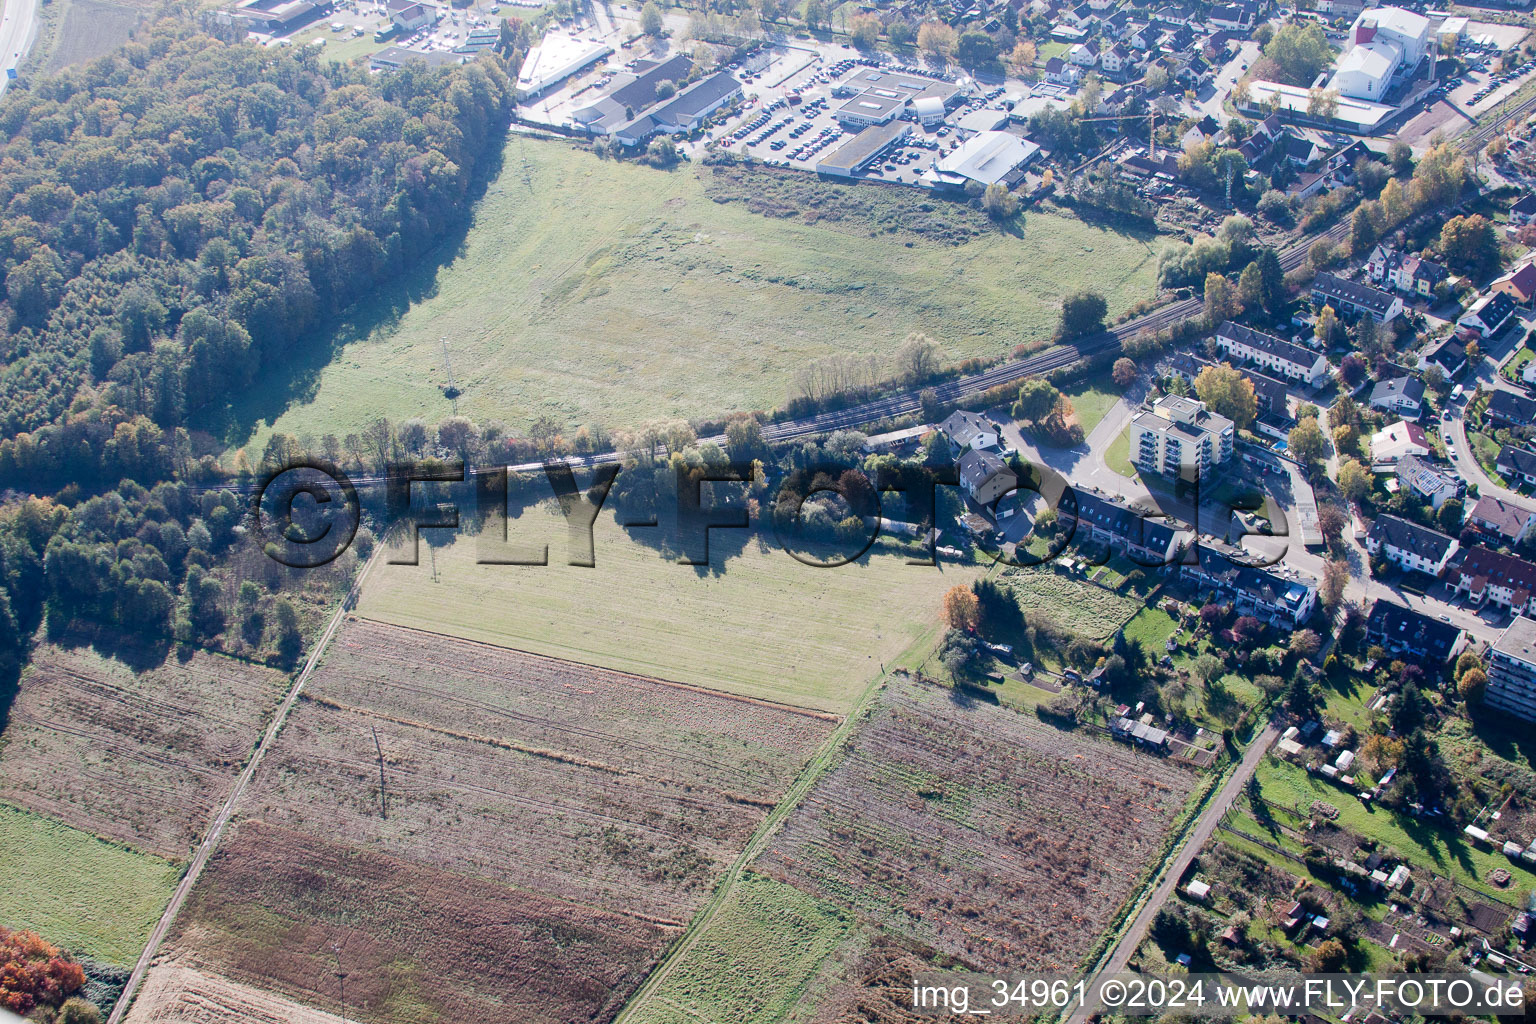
(175, 219)
(182, 215)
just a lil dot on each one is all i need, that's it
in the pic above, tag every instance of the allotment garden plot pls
(574, 797)
(979, 831)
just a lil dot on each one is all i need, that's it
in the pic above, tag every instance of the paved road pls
(18, 28)
(1214, 811)
(216, 830)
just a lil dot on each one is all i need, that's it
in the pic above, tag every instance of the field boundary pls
(226, 813)
(825, 716)
(819, 765)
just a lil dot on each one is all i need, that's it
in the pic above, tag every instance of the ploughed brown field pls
(142, 758)
(177, 994)
(979, 832)
(279, 909)
(543, 831)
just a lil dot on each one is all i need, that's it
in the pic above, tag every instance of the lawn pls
(1092, 399)
(1151, 627)
(1439, 847)
(605, 293)
(755, 962)
(1516, 364)
(1487, 451)
(92, 897)
(1118, 455)
(755, 622)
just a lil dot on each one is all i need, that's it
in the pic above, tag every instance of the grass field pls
(605, 293)
(1092, 399)
(756, 961)
(759, 623)
(89, 896)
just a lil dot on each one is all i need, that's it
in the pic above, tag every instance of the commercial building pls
(870, 108)
(1289, 360)
(1384, 42)
(392, 58)
(990, 158)
(411, 15)
(1512, 670)
(277, 17)
(863, 149)
(553, 59)
(1180, 438)
(684, 112)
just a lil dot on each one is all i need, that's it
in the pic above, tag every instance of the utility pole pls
(453, 387)
(383, 809)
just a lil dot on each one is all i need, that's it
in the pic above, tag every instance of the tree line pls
(183, 215)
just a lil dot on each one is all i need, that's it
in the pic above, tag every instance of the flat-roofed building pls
(863, 149)
(1512, 670)
(1180, 438)
(871, 107)
(553, 59)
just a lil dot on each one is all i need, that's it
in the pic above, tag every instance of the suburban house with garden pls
(1486, 576)
(1410, 546)
(1486, 317)
(1147, 540)
(1507, 409)
(1502, 521)
(969, 431)
(1404, 631)
(1517, 464)
(1352, 299)
(1428, 483)
(985, 477)
(1401, 396)
(1397, 441)
(1283, 598)
(1400, 271)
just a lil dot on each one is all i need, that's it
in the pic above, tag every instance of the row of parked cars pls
(1494, 82)
(824, 138)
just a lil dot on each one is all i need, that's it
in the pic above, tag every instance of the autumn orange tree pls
(34, 972)
(961, 609)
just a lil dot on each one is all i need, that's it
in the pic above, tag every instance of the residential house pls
(1512, 671)
(969, 431)
(1084, 55)
(1507, 409)
(1298, 149)
(1450, 354)
(985, 477)
(1402, 396)
(1182, 364)
(1405, 631)
(1231, 16)
(1283, 598)
(1271, 395)
(1412, 275)
(1519, 284)
(1518, 464)
(1524, 210)
(1504, 522)
(1179, 438)
(1410, 546)
(1119, 60)
(1487, 316)
(1429, 483)
(1486, 576)
(1398, 440)
(1289, 360)
(1147, 540)
(1116, 25)
(1060, 72)
(1354, 299)
(1176, 14)
(1082, 16)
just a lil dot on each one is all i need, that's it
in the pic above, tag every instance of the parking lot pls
(794, 124)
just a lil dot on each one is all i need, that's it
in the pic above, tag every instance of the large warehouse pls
(557, 57)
